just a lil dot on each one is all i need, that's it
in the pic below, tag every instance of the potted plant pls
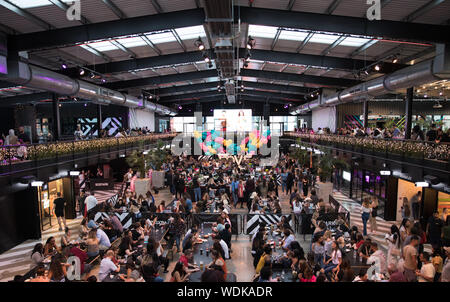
(137, 160)
(156, 158)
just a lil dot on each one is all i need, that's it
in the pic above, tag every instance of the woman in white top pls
(332, 264)
(366, 210)
(37, 255)
(394, 244)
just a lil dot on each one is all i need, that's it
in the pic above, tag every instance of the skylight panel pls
(34, 3)
(100, 46)
(163, 37)
(323, 38)
(292, 35)
(354, 42)
(191, 32)
(262, 31)
(132, 42)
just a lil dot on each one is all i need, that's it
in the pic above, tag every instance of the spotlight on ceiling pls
(180, 107)
(63, 66)
(377, 67)
(199, 44)
(366, 72)
(103, 80)
(92, 75)
(81, 72)
(206, 58)
(395, 60)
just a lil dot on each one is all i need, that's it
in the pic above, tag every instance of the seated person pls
(104, 242)
(190, 239)
(186, 258)
(226, 235)
(179, 273)
(287, 240)
(365, 250)
(107, 267)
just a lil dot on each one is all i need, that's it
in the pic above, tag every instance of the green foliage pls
(299, 154)
(154, 158)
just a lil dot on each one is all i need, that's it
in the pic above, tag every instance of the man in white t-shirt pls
(90, 201)
(107, 266)
(376, 253)
(427, 272)
(224, 246)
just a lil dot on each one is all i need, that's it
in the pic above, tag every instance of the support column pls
(56, 118)
(266, 114)
(366, 113)
(408, 112)
(99, 119)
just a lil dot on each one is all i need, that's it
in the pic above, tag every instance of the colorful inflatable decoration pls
(212, 142)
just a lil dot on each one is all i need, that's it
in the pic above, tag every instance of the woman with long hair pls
(50, 247)
(92, 243)
(179, 273)
(58, 269)
(406, 209)
(366, 209)
(394, 244)
(373, 215)
(37, 255)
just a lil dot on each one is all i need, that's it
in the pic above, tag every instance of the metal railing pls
(406, 149)
(20, 158)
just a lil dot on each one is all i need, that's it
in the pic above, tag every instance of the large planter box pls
(158, 178)
(142, 186)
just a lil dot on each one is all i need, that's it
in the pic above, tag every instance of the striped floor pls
(17, 260)
(383, 226)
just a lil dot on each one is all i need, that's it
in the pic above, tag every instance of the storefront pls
(47, 193)
(443, 204)
(360, 184)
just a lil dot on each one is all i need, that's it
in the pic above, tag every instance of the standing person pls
(234, 191)
(197, 190)
(427, 272)
(81, 202)
(366, 209)
(394, 244)
(78, 134)
(59, 205)
(373, 215)
(180, 185)
(289, 183)
(23, 136)
(415, 205)
(405, 209)
(241, 193)
(284, 176)
(127, 178)
(410, 259)
(90, 202)
(434, 229)
(305, 184)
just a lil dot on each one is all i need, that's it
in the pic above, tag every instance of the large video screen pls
(233, 120)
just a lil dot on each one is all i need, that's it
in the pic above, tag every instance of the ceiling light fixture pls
(377, 67)
(63, 66)
(199, 44)
(82, 72)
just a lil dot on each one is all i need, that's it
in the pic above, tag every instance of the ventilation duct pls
(35, 77)
(424, 72)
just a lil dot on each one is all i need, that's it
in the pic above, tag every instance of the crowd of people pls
(222, 186)
(434, 134)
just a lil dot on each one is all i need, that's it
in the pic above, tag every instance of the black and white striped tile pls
(17, 260)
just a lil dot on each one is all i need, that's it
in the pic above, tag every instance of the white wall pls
(140, 118)
(324, 118)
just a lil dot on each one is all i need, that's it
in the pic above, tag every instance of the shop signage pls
(346, 175)
(102, 184)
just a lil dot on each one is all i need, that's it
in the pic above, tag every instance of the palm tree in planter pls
(299, 154)
(142, 162)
